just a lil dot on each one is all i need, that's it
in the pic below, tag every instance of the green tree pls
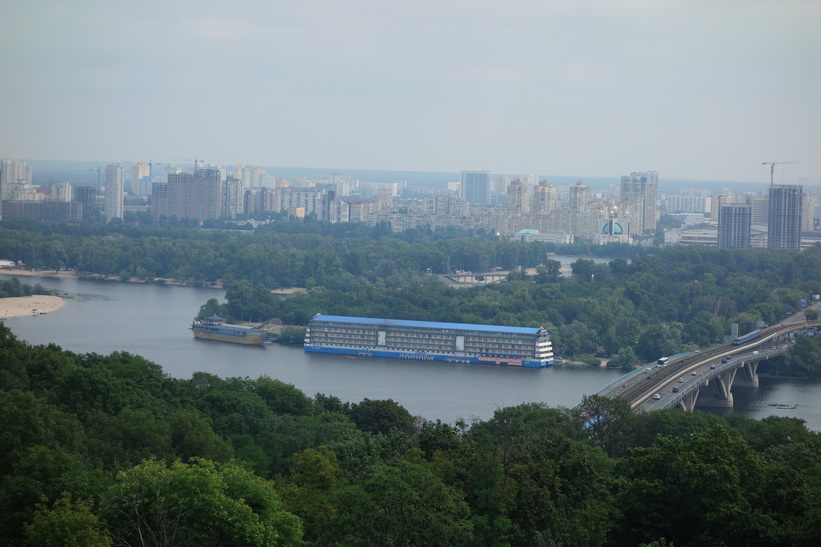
(294, 336)
(606, 421)
(402, 504)
(200, 503)
(626, 359)
(381, 416)
(315, 481)
(282, 398)
(709, 489)
(68, 523)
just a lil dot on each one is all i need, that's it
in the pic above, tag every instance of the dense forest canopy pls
(102, 450)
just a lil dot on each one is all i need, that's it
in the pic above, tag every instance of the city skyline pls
(697, 91)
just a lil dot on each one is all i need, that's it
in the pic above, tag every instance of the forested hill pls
(102, 450)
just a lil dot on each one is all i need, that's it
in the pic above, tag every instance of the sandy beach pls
(29, 305)
(41, 273)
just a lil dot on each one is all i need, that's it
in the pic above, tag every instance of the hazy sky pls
(694, 89)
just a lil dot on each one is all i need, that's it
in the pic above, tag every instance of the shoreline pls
(72, 274)
(21, 306)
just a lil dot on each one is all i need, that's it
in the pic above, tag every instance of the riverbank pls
(39, 304)
(282, 292)
(72, 274)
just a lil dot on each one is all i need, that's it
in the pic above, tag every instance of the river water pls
(153, 321)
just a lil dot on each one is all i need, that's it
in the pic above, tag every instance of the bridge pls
(468, 278)
(703, 378)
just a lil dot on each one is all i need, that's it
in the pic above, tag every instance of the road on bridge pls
(677, 380)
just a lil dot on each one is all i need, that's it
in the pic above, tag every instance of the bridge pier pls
(715, 392)
(749, 374)
(688, 401)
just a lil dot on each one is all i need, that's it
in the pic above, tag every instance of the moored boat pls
(215, 328)
(429, 341)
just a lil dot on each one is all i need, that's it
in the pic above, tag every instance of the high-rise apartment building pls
(233, 198)
(639, 193)
(582, 211)
(734, 223)
(189, 196)
(62, 191)
(15, 181)
(784, 219)
(518, 197)
(476, 187)
(114, 192)
(545, 198)
(87, 196)
(141, 179)
(15, 172)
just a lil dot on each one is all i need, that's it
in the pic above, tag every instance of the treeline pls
(10, 288)
(272, 255)
(101, 450)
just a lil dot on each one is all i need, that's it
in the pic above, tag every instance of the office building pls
(114, 192)
(475, 187)
(639, 193)
(784, 219)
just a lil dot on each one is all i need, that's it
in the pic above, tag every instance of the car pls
(675, 389)
(724, 360)
(681, 380)
(712, 366)
(694, 373)
(755, 352)
(656, 397)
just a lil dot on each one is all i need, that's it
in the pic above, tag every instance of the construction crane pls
(772, 165)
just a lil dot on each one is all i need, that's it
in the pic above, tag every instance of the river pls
(154, 321)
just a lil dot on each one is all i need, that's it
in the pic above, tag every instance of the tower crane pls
(772, 165)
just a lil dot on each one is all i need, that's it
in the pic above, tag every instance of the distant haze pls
(84, 173)
(693, 89)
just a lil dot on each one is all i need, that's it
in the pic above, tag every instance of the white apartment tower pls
(114, 192)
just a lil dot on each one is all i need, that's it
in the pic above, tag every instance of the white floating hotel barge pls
(430, 341)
